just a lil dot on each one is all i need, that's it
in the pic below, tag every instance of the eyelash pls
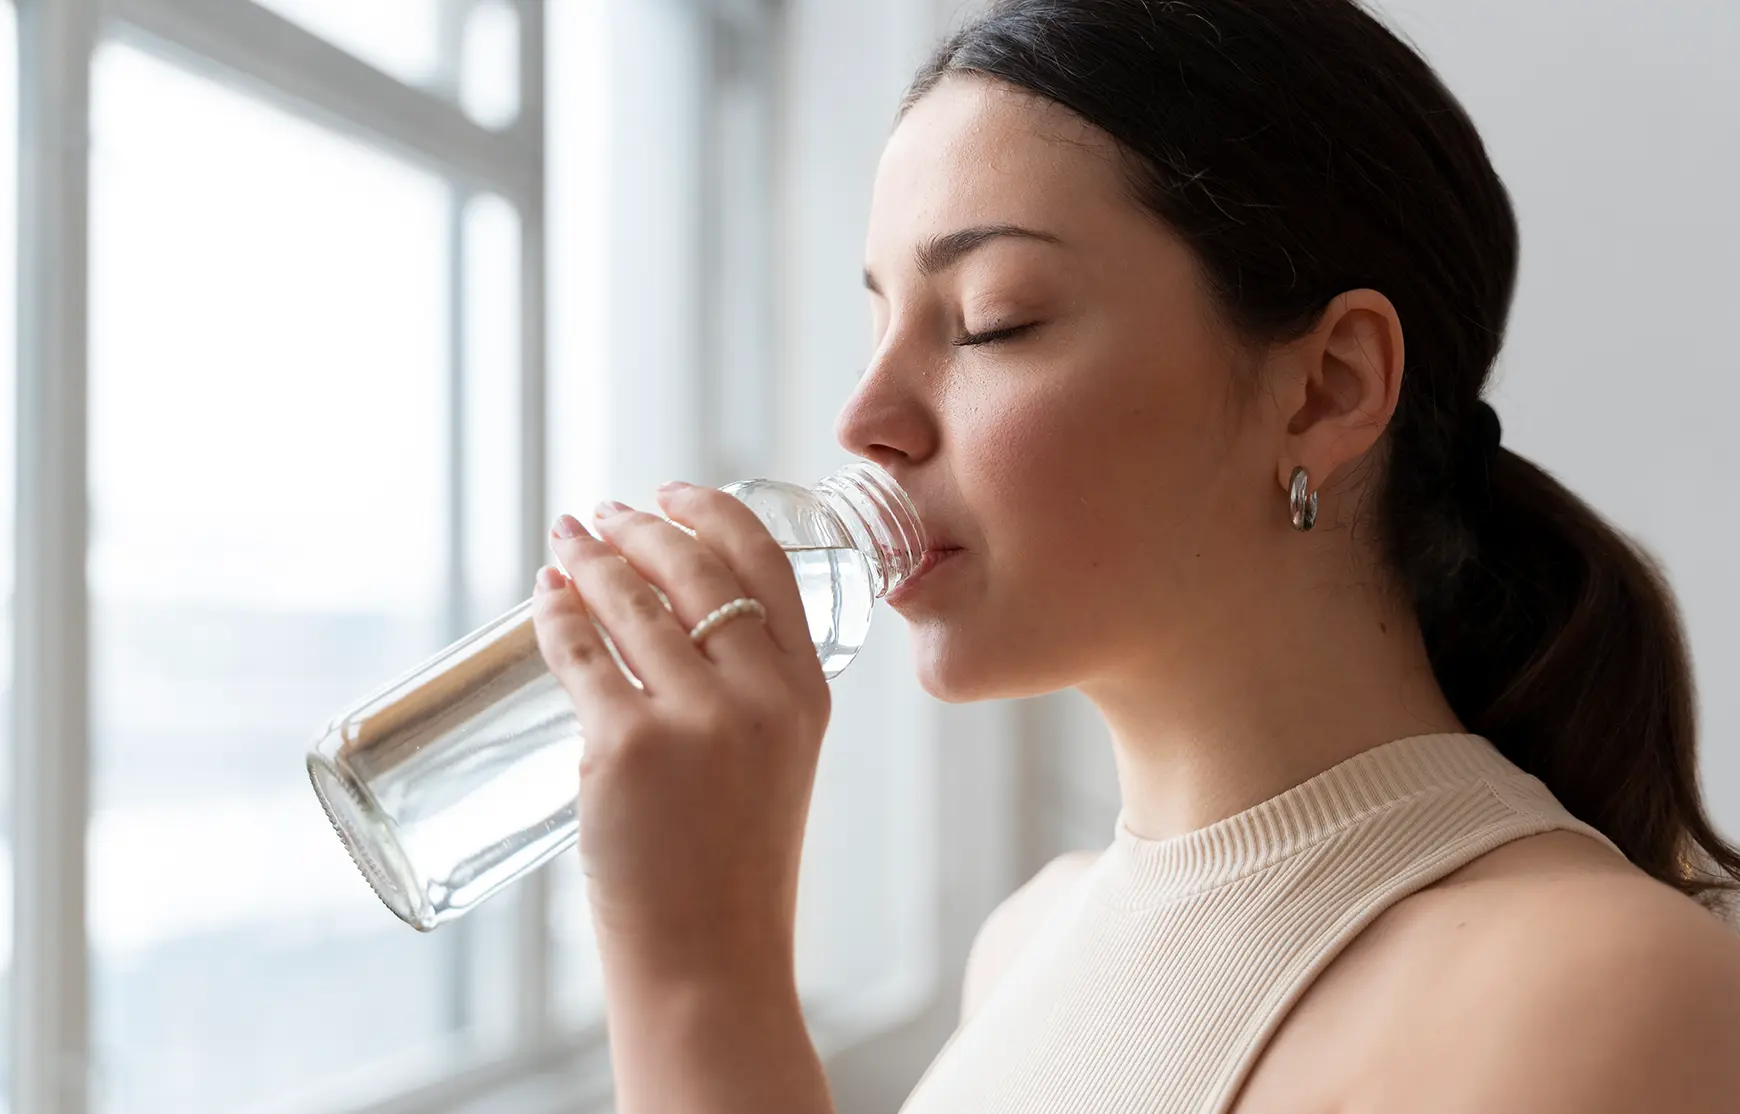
(995, 336)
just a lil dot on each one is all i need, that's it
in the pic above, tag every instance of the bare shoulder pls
(1551, 975)
(1009, 927)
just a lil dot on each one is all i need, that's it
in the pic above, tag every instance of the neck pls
(1293, 682)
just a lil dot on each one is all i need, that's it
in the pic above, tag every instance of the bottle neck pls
(879, 518)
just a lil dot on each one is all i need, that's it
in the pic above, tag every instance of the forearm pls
(712, 1047)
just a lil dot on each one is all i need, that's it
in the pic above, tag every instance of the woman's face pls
(1051, 385)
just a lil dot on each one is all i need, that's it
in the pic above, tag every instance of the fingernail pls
(609, 508)
(567, 527)
(549, 578)
(674, 485)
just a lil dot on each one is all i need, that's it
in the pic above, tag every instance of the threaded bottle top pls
(881, 520)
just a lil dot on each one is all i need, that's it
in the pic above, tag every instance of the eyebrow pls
(939, 253)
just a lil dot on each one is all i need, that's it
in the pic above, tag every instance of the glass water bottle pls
(464, 774)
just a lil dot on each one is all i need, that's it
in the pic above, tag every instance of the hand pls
(694, 790)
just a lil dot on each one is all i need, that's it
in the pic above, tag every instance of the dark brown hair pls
(1303, 150)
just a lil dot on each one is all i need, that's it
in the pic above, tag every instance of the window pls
(269, 470)
(292, 304)
(294, 353)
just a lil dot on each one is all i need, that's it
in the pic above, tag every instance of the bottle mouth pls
(882, 520)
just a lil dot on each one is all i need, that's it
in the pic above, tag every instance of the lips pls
(937, 552)
(933, 557)
(940, 544)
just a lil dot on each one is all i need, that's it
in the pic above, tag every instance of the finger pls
(653, 645)
(691, 575)
(575, 652)
(743, 544)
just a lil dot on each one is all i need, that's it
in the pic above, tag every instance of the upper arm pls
(1008, 928)
(1618, 1009)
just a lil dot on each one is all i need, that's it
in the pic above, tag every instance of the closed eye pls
(995, 336)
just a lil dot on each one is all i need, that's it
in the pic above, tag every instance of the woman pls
(1183, 312)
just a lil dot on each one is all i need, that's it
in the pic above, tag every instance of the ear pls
(1340, 388)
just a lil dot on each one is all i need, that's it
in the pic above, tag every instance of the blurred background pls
(322, 309)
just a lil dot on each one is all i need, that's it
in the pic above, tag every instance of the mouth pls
(933, 557)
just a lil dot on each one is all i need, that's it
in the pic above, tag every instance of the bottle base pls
(368, 839)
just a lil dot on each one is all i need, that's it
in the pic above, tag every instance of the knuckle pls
(600, 563)
(641, 533)
(758, 541)
(545, 610)
(719, 509)
(701, 495)
(644, 606)
(574, 655)
(572, 553)
(634, 527)
(695, 565)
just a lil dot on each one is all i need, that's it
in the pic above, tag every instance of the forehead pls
(975, 151)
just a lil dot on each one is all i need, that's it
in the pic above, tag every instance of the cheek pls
(1072, 474)
(1017, 468)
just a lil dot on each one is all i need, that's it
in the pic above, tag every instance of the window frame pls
(271, 58)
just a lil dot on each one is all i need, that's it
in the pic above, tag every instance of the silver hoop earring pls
(1303, 502)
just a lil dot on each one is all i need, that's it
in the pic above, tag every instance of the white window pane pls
(489, 86)
(269, 476)
(578, 433)
(578, 111)
(402, 37)
(579, 980)
(495, 581)
(8, 430)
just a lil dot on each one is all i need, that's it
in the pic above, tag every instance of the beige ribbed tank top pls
(1157, 984)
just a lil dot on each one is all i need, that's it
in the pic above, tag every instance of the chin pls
(947, 689)
(954, 671)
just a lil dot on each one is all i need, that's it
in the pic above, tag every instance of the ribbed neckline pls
(1140, 873)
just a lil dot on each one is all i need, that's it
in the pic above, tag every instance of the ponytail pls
(1559, 641)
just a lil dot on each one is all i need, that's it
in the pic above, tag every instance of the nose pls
(888, 419)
